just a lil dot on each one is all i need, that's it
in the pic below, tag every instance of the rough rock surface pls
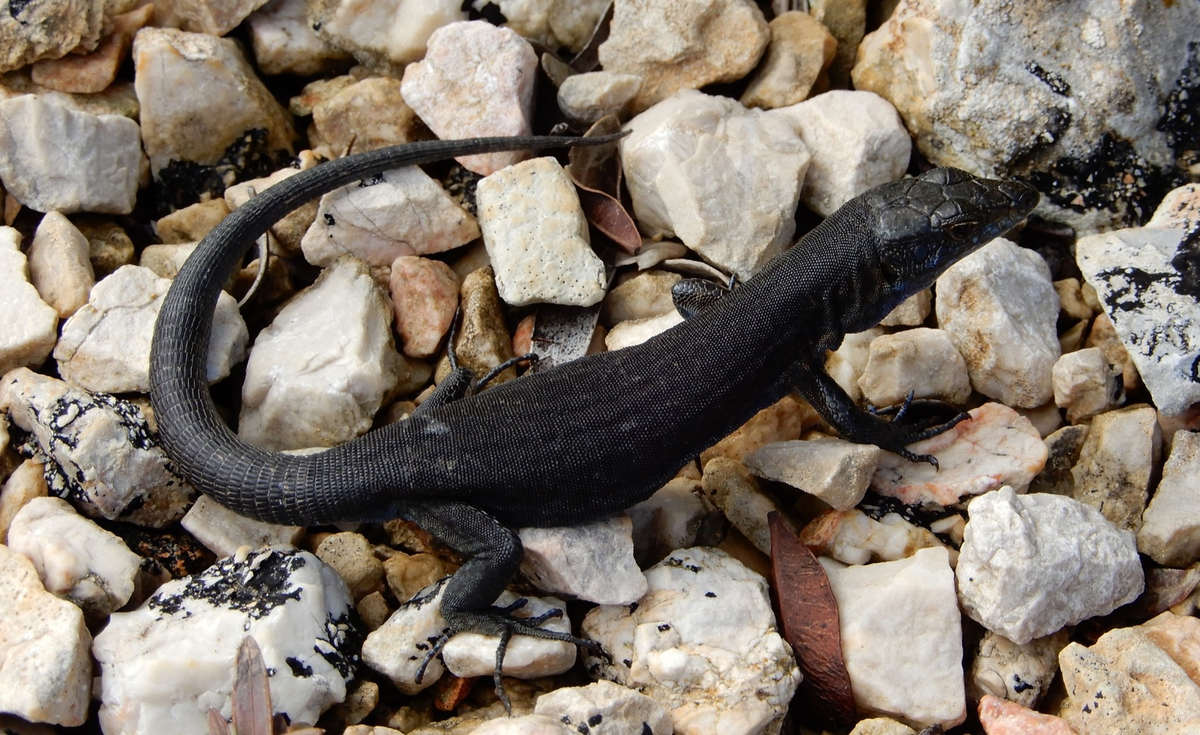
(683, 44)
(589, 97)
(75, 559)
(383, 35)
(702, 643)
(724, 179)
(605, 709)
(592, 561)
(225, 99)
(106, 345)
(45, 669)
(58, 264)
(796, 62)
(165, 664)
(1019, 673)
(996, 446)
(901, 637)
(1001, 717)
(285, 43)
(1170, 532)
(48, 30)
(210, 17)
(1154, 312)
(857, 142)
(28, 325)
(318, 374)
(1085, 384)
(475, 80)
(836, 471)
(365, 115)
(1069, 94)
(1031, 564)
(1116, 464)
(920, 361)
(1126, 683)
(398, 212)
(224, 532)
(26, 482)
(1000, 309)
(853, 537)
(56, 159)
(424, 298)
(96, 449)
(537, 236)
(729, 484)
(552, 23)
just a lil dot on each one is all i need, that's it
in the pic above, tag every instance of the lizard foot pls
(901, 435)
(500, 621)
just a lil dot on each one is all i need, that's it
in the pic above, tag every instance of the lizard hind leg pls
(468, 600)
(693, 295)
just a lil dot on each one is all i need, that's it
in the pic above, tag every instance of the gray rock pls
(605, 709)
(224, 532)
(28, 325)
(284, 41)
(56, 159)
(1116, 463)
(1018, 673)
(294, 606)
(589, 97)
(921, 362)
(1170, 532)
(702, 643)
(210, 17)
(1062, 451)
(97, 450)
(836, 471)
(1058, 92)
(1086, 384)
(45, 669)
(592, 561)
(48, 30)
(383, 35)
(1155, 317)
(1031, 564)
(723, 179)
(1000, 309)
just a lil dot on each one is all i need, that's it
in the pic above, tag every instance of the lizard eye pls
(961, 231)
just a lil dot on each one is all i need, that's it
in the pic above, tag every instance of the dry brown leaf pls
(597, 177)
(589, 58)
(251, 697)
(216, 723)
(808, 614)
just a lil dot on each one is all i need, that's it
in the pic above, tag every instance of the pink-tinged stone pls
(523, 335)
(996, 446)
(93, 72)
(476, 80)
(424, 296)
(1001, 717)
(1179, 637)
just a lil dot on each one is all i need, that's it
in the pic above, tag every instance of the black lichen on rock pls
(1053, 80)
(183, 183)
(255, 585)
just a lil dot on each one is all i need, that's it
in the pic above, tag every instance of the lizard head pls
(923, 225)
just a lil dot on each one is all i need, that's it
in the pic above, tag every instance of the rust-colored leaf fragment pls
(607, 215)
(216, 723)
(450, 691)
(251, 697)
(808, 614)
(597, 177)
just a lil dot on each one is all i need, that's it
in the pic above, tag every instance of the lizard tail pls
(274, 487)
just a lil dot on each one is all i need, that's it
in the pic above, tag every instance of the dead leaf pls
(607, 215)
(808, 614)
(216, 723)
(589, 58)
(450, 691)
(251, 697)
(597, 176)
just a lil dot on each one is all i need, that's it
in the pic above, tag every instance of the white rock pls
(523, 725)
(605, 709)
(365, 115)
(921, 361)
(225, 98)
(474, 654)
(45, 669)
(28, 325)
(55, 159)
(702, 643)
(224, 531)
(476, 80)
(1018, 673)
(667, 520)
(1170, 532)
(996, 446)
(1180, 208)
(1031, 564)
(589, 97)
(50, 30)
(636, 331)
(552, 23)
(106, 345)
(285, 43)
(722, 178)
(847, 363)
(901, 637)
(398, 648)
(211, 17)
(592, 561)
(383, 34)
(26, 482)
(1000, 309)
(833, 470)
(1116, 464)
(729, 485)
(75, 559)
(399, 212)
(97, 450)
(58, 264)
(1056, 91)
(1138, 286)
(683, 44)
(853, 537)
(318, 374)
(537, 237)
(1086, 384)
(645, 295)
(165, 664)
(857, 142)
(912, 312)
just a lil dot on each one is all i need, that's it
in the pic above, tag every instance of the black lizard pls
(592, 437)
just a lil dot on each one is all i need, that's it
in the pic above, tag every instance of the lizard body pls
(589, 438)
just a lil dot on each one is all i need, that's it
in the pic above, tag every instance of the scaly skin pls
(594, 436)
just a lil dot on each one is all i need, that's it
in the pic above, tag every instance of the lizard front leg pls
(494, 552)
(809, 379)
